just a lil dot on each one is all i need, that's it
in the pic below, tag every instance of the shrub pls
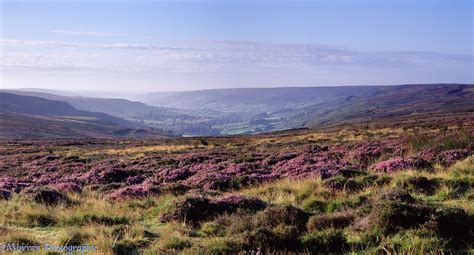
(287, 215)
(73, 238)
(40, 220)
(314, 205)
(108, 220)
(419, 184)
(325, 241)
(449, 157)
(195, 209)
(394, 195)
(67, 187)
(390, 217)
(212, 229)
(367, 181)
(459, 187)
(340, 182)
(277, 228)
(176, 243)
(46, 196)
(351, 184)
(383, 180)
(337, 182)
(336, 220)
(237, 223)
(348, 173)
(104, 174)
(5, 194)
(335, 205)
(191, 209)
(455, 225)
(135, 191)
(233, 203)
(106, 188)
(417, 241)
(392, 165)
(399, 163)
(280, 237)
(175, 189)
(125, 247)
(218, 246)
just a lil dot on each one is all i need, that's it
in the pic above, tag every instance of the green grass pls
(133, 226)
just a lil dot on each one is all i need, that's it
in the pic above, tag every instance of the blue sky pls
(180, 45)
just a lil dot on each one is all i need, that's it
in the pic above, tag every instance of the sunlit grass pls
(135, 223)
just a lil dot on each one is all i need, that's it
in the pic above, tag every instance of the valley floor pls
(402, 186)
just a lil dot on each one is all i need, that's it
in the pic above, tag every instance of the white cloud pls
(94, 33)
(227, 63)
(13, 43)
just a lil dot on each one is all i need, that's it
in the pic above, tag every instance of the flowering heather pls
(173, 175)
(398, 163)
(366, 152)
(135, 191)
(221, 173)
(67, 187)
(394, 164)
(13, 185)
(246, 192)
(233, 165)
(450, 157)
(428, 155)
(107, 172)
(137, 179)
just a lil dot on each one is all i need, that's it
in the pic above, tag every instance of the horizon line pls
(237, 88)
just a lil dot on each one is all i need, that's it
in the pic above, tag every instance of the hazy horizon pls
(156, 46)
(137, 92)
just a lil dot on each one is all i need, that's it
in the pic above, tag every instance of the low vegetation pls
(303, 191)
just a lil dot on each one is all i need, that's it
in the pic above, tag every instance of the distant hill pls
(253, 99)
(35, 117)
(394, 101)
(166, 118)
(257, 110)
(111, 106)
(34, 105)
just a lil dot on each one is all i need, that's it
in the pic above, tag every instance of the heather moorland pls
(242, 127)
(403, 185)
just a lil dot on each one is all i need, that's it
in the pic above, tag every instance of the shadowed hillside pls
(35, 117)
(249, 110)
(283, 108)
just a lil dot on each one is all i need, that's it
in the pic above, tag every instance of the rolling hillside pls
(35, 117)
(165, 118)
(257, 110)
(269, 109)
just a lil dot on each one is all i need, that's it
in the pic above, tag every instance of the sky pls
(146, 45)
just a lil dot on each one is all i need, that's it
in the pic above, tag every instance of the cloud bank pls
(221, 64)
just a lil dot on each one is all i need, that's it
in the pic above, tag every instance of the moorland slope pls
(26, 117)
(398, 186)
(257, 110)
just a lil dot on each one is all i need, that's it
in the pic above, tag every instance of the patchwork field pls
(402, 186)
